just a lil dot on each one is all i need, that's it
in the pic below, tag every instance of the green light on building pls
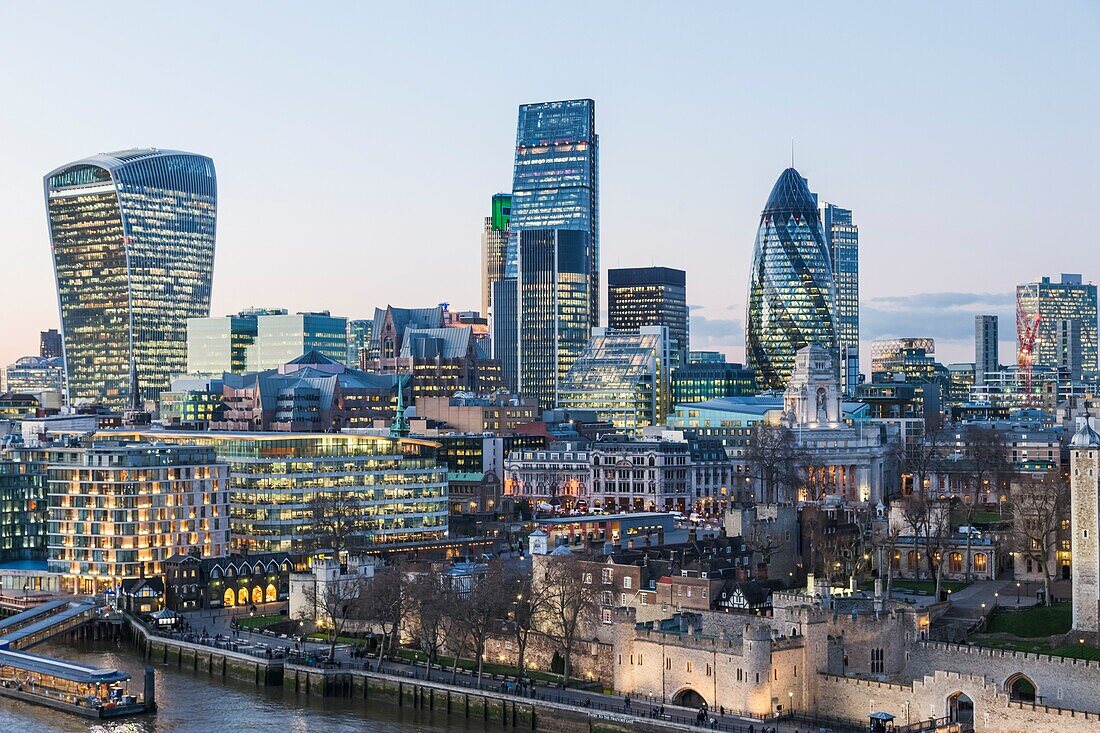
(502, 211)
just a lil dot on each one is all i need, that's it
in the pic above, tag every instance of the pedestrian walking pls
(626, 703)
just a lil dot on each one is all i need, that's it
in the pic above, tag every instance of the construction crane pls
(1027, 332)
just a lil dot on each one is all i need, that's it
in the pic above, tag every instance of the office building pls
(707, 380)
(842, 237)
(623, 377)
(359, 333)
(49, 344)
(22, 511)
(555, 185)
(504, 327)
(36, 375)
(792, 292)
(286, 489)
(283, 338)
(553, 302)
(313, 393)
(470, 413)
(1040, 306)
(986, 359)
(132, 237)
(641, 476)
(706, 357)
(120, 508)
(1068, 348)
(216, 345)
(494, 243)
(650, 296)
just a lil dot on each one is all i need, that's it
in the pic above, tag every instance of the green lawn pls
(958, 517)
(1074, 651)
(260, 622)
(319, 636)
(927, 586)
(1034, 622)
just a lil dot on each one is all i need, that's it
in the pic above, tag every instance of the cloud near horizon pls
(947, 316)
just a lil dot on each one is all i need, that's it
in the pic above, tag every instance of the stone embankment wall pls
(198, 658)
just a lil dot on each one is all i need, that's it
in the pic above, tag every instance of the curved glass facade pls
(132, 235)
(792, 293)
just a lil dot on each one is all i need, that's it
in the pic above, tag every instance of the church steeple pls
(399, 428)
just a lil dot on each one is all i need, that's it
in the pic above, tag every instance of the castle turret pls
(757, 655)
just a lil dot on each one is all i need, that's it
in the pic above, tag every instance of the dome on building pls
(1085, 437)
(792, 293)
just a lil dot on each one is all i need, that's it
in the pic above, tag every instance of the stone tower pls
(1084, 459)
(812, 396)
(757, 657)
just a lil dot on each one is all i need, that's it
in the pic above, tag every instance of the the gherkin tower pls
(792, 294)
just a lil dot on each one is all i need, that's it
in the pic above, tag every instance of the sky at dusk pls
(357, 144)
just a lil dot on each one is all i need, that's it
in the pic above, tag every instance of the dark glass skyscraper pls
(650, 296)
(552, 302)
(556, 180)
(842, 236)
(132, 235)
(792, 293)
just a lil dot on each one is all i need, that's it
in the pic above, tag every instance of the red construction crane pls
(1027, 331)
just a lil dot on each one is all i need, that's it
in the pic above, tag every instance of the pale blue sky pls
(357, 144)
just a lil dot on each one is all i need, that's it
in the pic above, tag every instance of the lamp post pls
(1017, 592)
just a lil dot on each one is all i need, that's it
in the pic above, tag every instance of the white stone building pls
(1085, 543)
(849, 461)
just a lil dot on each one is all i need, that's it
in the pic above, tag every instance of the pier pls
(56, 683)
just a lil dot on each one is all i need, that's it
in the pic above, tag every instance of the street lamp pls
(1017, 592)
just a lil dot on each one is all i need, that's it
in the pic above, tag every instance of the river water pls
(189, 702)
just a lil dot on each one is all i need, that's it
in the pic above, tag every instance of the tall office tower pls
(132, 235)
(1041, 305)
(1067, 341)
(842, 236)
(986, 360)
(504, 329)
(283, 338)
(650, 296)
(552, 301)
(556, 181)
(217, 345)
(49, 344)
(494, 242)
(359, 333)
(792, 293)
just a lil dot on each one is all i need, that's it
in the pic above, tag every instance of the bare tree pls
(529, 608)
(990, 465)
(571, 605)
(382, 605)
(770, 456)
(888, 544)
(482, 610)
(329, 605)
(763, 543)
(430, 601)
(919, 458)
(336, 518)
(930, 522)
(1039, 507)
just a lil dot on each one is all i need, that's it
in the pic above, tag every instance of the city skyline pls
(690, 206)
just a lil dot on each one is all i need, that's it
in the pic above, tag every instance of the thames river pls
(195, 702)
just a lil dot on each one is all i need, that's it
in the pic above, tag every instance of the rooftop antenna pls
(792, 152)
